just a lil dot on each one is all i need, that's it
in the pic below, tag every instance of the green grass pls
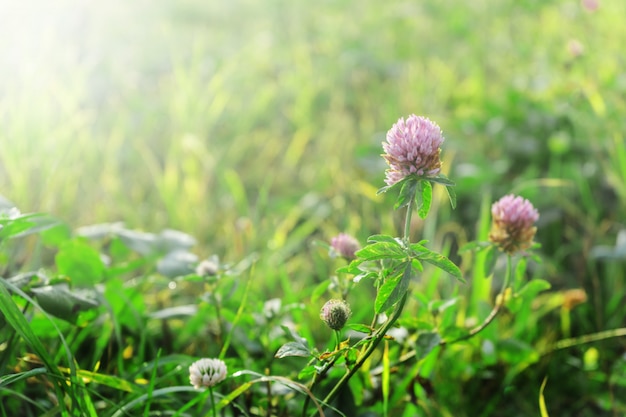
(256, 128)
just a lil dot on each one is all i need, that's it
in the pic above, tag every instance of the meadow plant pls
(415, 330)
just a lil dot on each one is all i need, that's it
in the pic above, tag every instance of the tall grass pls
(256, 127)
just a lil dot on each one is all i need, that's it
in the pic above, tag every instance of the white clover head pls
(207, 372)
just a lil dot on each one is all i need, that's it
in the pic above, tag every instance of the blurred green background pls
(256, 125)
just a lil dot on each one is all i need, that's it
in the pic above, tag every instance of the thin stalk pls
(382, 331)
(407, 220)
(496, 308)
(378, 336)
(214, 413)
(588, 338)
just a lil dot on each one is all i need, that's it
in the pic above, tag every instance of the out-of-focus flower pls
(590, 5)
(574, 297)
(208, 267)
(335, 313)
(207, 372)
(344, 245)
(412, 147)
(512, 225)
(575, 48)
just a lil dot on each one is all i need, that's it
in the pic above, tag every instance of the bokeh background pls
(256, 126)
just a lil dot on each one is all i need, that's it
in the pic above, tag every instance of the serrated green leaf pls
(394, 288)
(439, 261)
(381, 250)
(424, 197)
(292, 349)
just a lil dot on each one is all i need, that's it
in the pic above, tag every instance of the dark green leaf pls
(424, 197)
(425, 343)
(62, 303)
(394, 287)
(24, 280)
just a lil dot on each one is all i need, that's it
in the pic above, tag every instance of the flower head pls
(512, 225)
(412, 147)
(208, 267)
(207, 372)
(335, 313)
(344, 245)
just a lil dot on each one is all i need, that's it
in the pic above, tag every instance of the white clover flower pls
(207, 372)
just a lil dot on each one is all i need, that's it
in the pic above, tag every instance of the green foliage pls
(148, 116)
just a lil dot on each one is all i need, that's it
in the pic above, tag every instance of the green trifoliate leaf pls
(440, 261)
(394, 287)
(381, 250)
